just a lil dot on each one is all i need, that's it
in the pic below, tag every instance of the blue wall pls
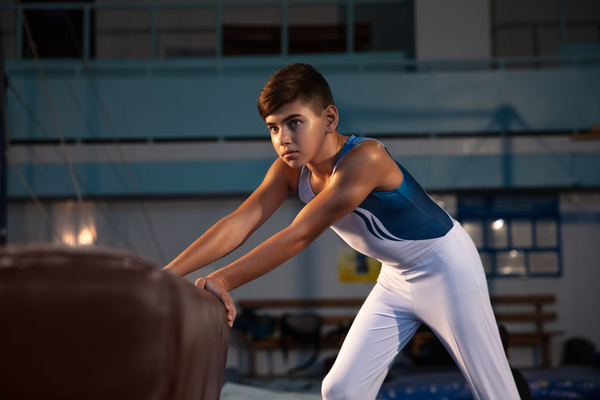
(149, 102)
(142, 105)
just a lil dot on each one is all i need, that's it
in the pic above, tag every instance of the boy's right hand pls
(216, 287)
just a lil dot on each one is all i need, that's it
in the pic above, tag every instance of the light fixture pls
(86, 236)
(497, 224)
(69, 239)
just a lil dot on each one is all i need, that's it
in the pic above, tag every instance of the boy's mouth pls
(288, 153)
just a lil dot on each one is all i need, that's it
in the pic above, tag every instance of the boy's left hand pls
(216, 287)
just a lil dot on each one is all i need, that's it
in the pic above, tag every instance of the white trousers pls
(445, 289)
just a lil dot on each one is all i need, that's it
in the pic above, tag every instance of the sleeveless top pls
(395, 227)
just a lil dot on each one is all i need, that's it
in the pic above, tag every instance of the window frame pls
(533, 208)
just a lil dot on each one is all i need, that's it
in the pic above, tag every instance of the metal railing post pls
(350, 27)
(86, 32)
(19, 28)
(219, 38)
(561, 22)
(153, 31)
(284, 28)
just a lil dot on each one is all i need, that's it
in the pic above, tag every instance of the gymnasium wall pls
(195, 146)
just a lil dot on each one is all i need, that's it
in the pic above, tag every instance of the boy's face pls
(297, 133)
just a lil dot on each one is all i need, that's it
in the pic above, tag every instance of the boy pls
(431, 272)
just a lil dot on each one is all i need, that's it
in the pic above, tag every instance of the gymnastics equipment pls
(93, 323)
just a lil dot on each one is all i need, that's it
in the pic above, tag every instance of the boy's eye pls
(294, 123)
(274, 129)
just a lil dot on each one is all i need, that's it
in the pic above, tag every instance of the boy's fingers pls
(201, 282)
(230, 307)
(231, 317)
(232, 314)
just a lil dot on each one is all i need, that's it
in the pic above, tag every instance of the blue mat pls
(449, 384)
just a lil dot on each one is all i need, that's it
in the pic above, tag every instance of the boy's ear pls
(331, 112)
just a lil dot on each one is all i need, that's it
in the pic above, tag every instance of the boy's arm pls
(364, 169)
(232, 231)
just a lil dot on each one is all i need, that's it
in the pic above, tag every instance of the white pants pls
(445, 289)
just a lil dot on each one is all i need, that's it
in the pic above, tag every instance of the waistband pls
(456, 228)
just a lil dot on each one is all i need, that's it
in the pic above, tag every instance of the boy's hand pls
(216, 287)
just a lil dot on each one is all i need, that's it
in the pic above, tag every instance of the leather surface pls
(89, 323)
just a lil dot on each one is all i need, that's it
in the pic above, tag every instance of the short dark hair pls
(295, 82)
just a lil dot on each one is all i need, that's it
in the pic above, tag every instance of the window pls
(533, 28)
(516, 235)
(57, 32)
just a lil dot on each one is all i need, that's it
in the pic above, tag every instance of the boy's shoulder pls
(369, 161)
(366, 149)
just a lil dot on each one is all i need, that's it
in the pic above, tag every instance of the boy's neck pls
(331, 151)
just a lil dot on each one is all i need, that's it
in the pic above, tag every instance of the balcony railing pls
(154, 38)
(210, 24)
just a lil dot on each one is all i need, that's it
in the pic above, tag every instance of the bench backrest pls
(536, 315)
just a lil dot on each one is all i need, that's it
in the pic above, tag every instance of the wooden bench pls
(535, 315)
(345, 311)
(341, 312)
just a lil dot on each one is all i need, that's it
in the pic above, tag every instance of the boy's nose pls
(285, 137)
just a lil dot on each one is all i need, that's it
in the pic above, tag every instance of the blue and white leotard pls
(394, 227)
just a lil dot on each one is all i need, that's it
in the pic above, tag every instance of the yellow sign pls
(356, 267)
